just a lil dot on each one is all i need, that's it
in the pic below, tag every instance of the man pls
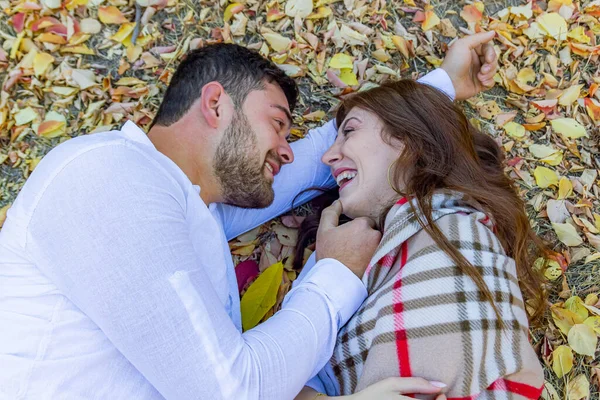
(117, 280)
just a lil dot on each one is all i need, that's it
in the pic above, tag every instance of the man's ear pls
(211, 103)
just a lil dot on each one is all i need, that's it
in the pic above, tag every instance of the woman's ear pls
(212, 103)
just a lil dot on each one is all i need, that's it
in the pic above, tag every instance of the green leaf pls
(261, 296)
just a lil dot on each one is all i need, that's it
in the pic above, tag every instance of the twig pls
(138, 17)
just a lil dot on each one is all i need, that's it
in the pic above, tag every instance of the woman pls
(445, 283)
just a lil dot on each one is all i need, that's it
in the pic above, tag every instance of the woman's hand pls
(394, 388)
(471, 63)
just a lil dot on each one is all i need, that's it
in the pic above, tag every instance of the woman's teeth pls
(269, 167)
(344, 177)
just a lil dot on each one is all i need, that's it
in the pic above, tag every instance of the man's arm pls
(120, 250)
(307, 171)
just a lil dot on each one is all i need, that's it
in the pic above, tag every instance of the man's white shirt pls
(116, 280)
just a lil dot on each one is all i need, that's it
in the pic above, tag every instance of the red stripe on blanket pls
(517, 387)
(402, 201)
(502, 384)
(401, 339)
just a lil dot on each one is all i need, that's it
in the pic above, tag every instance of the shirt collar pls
(135, 133)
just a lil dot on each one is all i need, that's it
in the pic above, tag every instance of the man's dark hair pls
(238, 69)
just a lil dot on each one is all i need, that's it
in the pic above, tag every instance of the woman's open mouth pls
(345, 178)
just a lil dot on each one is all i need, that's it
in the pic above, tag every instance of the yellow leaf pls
(261, 296)
(579, 35)
(546, 154)
(25, 116)
(3, 212)
(63, 90)
(129, 81)
(348, 77)
(41, 62)
(124, 32)
(526, 75)
(562, 360)
(570, 95)
(568, 127)
(298, 8)
(514, 130)
(244, 250)
(341, 61)
(431, 20)
(545, 177)
(81, 49)
(554, 25)
(232, 9)
(594, 323)
(564, 319)
(575, 304)
(578, 388)
(402, 45)
(553, 271)
(322, 12)
(597, 221)
(277, 42)
(565, 188)
(567, 234)
(111, 15)
(582, 339)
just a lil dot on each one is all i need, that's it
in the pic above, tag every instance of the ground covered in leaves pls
(74, 67)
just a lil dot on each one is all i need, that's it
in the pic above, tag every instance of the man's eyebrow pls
(286, 112)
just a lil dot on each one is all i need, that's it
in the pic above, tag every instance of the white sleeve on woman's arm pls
(305, 172)
(120, 250)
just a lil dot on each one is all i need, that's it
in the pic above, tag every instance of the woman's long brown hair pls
(442, 150)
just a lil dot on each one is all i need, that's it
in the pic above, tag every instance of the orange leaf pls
(51, 38)
(50, 128)
(44, 22)
(111, 15)
(592, 108)
(470, 13)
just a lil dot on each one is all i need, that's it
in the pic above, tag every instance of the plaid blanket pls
(425, 318)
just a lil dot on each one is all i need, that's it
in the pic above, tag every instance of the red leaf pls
(18, 21)
(245, 272)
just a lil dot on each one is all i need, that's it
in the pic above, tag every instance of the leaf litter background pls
(74, 67)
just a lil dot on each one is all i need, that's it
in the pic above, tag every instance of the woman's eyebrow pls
(347, 120)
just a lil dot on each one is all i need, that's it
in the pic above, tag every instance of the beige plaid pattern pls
(426, 318)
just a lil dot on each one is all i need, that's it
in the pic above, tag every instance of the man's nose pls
(285, 152)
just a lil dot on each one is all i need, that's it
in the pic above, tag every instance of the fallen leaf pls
(583, 340)
(231, 10)
(545, 177)
(514, 130)
(111, 15)
(578, 388)
(568, 127)
(277, 42)
(567, 234)
(562, 360)
(298, 8)
(41, 62)
(341, 61)
(261, 296)
(554, 25)
(25, 116)
(594, 323)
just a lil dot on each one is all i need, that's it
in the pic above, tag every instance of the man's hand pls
(352, 244)
(471, 63)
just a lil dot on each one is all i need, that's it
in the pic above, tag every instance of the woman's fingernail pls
(438, 384)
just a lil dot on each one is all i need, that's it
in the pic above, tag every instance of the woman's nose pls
(332, 155)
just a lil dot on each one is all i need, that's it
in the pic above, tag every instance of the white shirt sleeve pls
(307, 171)
(110, 230)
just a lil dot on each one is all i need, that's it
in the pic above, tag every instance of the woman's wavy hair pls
(443, 150)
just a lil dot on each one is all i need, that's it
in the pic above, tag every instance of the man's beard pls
(239, 167)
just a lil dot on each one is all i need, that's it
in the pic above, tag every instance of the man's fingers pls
(489, 54)
(476, 40)
(330, 217)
